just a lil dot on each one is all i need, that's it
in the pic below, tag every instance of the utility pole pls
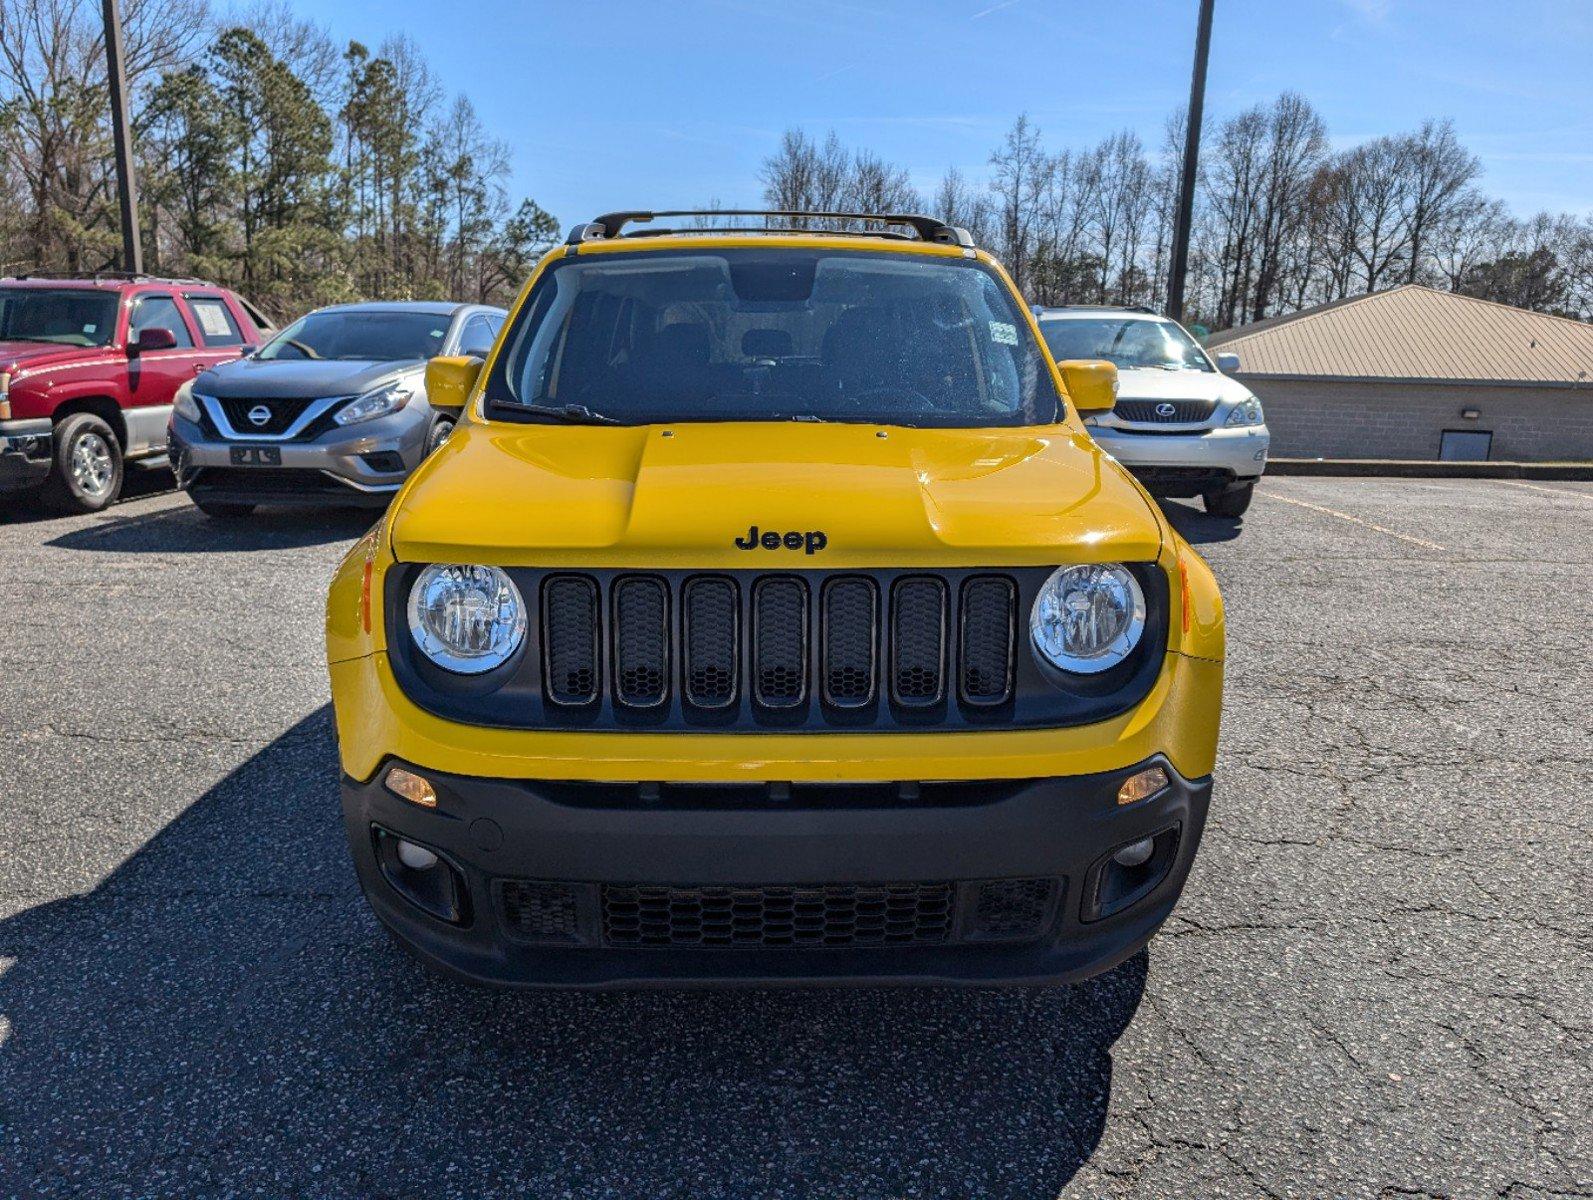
(1186, 188)
(121, 133)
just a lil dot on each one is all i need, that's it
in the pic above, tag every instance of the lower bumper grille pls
(903, 914)
(775, 917)
(277, 481)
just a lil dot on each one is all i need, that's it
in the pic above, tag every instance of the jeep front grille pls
(788, 644)
(795, 649)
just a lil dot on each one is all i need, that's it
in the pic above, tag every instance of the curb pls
(1414, 469)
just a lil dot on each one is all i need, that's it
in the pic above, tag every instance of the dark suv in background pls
(89, 368)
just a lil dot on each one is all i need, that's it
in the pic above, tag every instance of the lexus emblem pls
(1164, 409)
(260, 414)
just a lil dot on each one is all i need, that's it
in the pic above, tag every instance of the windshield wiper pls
(575, 414)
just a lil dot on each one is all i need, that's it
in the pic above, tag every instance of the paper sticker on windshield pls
(437, 333)
(90, 328)
(1004, 334)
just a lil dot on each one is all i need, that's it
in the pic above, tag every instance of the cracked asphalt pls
(1378, 982)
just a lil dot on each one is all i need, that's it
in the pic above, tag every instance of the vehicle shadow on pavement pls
(1201, 528)
(223, 1014)
(24, 508)
(183, 529)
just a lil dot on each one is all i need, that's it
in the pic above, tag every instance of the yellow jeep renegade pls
(770, 617)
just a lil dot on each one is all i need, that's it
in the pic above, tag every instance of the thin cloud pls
(985, 12)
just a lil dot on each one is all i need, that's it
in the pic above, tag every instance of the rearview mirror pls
(1227, 363)
(1091, 384)
(449, 381)
(153, 338)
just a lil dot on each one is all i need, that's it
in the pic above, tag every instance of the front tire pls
(1230, 501)
(86, 467)
(440, 429)
(223, 512)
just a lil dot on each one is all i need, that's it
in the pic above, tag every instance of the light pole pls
(121, 134)
(1186, 187)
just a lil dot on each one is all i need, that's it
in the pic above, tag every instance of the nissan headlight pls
(466, 619)
(185, 405)
(374, 404)
(1246, 412)
(1087, 618)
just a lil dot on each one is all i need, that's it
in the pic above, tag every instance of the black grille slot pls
(985, 649)
(709, 614)
(918, 641)
(534, 911)
(837, 915)
(851, 624)
(780, 642)
(641, 642)
(570, 639)
(1165, 412)
(282, 414)
(1012, 909)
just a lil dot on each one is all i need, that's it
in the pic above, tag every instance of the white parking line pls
(1343, 516)
(1547, 491)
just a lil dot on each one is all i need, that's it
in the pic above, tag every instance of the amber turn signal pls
(409, 786)
(1136, 787)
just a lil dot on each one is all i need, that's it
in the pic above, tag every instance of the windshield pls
(369, 336)
(774, 334)
(67, 316)
(1131, 343)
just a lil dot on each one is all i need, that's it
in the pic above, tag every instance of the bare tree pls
(1018, 178)
(1438, 173)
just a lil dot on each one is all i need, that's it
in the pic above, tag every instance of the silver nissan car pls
(330, 411)
(1180, 424)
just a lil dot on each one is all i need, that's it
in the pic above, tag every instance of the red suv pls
(88, 370)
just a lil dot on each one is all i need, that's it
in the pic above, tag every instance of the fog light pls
(1136, 787)
(418, 858)
(1131, 855)
(409, 786)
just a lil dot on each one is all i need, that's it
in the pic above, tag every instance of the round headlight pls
(1088, 618)
(466, 619)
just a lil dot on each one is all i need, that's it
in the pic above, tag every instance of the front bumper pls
(1187, 463)
(584, 852)
(363, 465)
(25, 453)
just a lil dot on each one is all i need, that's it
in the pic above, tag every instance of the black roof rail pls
(609, 225)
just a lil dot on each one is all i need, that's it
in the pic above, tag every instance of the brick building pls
(1414, 373)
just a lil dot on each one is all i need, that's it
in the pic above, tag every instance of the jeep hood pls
(681, 496)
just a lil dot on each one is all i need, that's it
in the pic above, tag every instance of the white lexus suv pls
(1180, 424)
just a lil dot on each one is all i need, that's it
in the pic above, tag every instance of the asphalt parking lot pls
(1378, 982)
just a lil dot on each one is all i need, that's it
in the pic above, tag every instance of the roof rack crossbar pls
(609, 225)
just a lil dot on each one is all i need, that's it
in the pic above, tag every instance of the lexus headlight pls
(1246, 412)
(1088, 618)
(466, 619)
(184, 403)
(375, 404)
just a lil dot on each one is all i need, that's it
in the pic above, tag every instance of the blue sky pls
(654, 105)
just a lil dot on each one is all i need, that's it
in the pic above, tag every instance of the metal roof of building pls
(1415, 332)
